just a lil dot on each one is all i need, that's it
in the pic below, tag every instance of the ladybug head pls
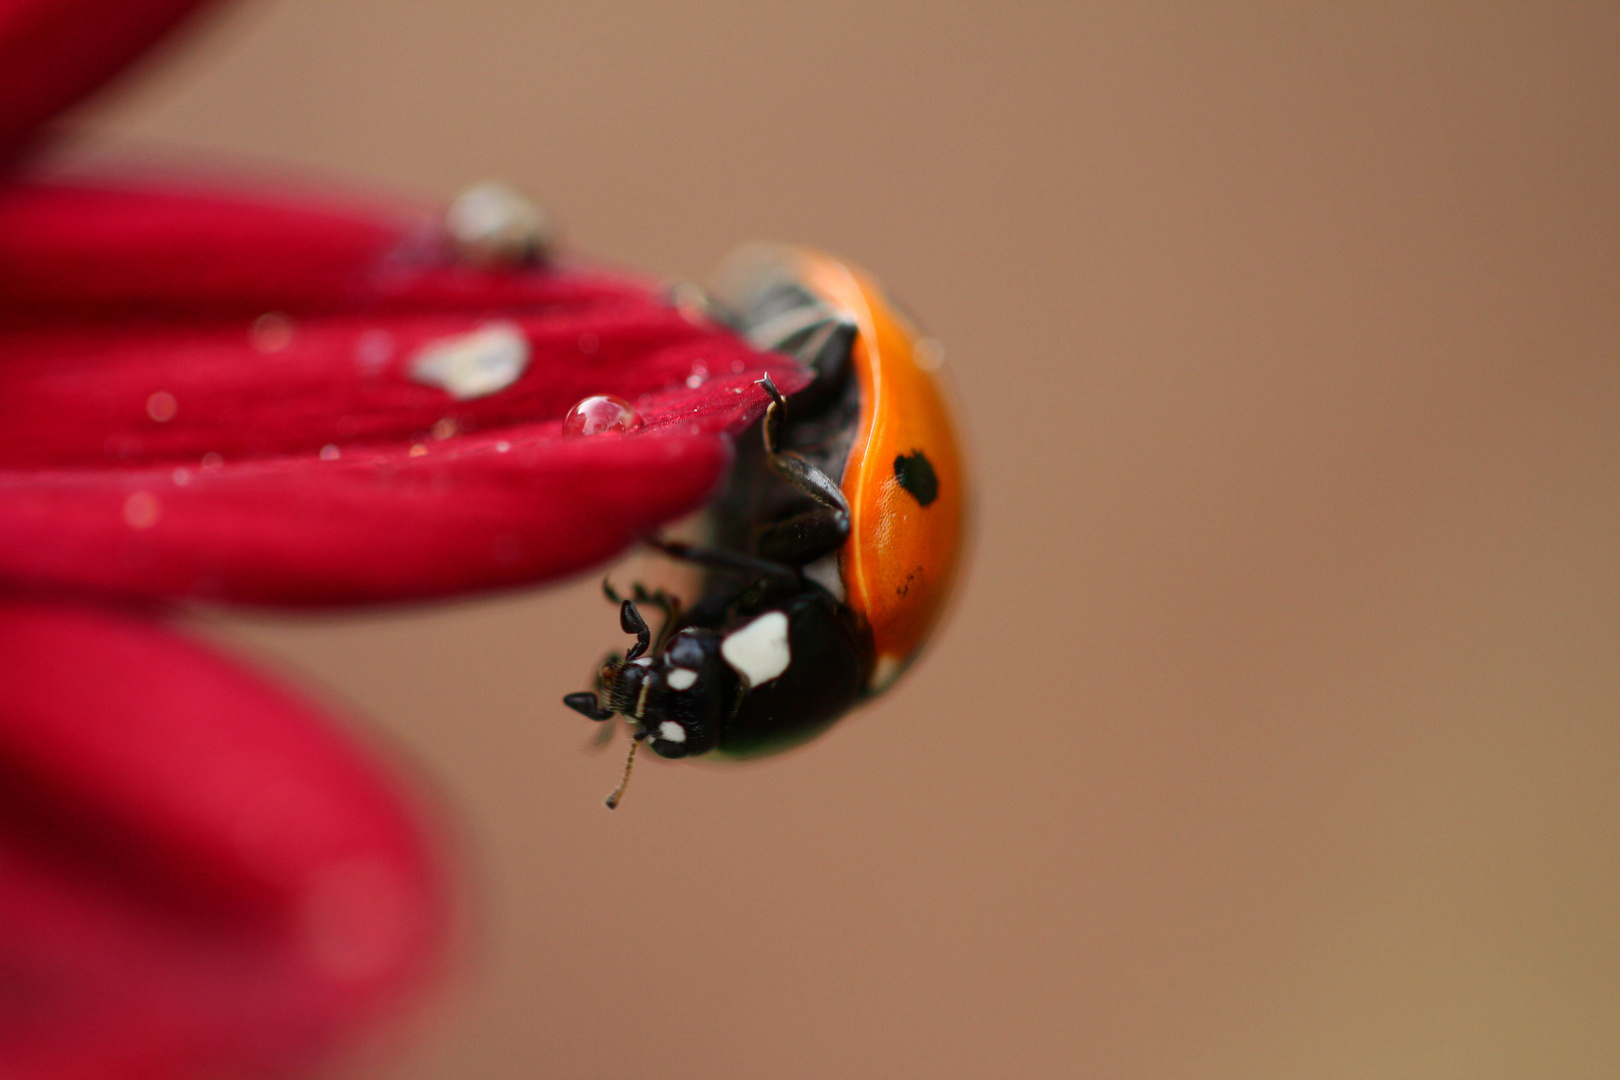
(676, 697)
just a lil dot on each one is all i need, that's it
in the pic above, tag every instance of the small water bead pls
(162, 406)
(475, 364)
(271, 332)
(601, 414)
(493, 224)
(141, 510)
(330, 452)
(372, 352)
(691, 301)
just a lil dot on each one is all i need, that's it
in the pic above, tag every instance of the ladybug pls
(817, 592)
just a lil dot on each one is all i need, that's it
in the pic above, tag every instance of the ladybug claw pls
(770, 388)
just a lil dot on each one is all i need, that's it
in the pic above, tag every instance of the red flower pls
(217, 397)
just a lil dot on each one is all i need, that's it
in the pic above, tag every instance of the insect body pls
(818, 592)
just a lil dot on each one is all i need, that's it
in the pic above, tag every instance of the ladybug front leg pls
(658, 598)
(821, 530)
(586, 704)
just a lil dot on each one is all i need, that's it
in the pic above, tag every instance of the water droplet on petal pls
(690, 300)
(182, 477)
(493, 224)
(589, 343)
(737, 367)
(141, 510)
(445, 427)
(330, 452)
(211, 460)
(372, 351)
(162, 406)
(417, 450)
(475, 364)
(601, 414)
(502, 447)
(271, 332)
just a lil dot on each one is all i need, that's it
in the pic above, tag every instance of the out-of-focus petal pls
(198, 875)
(228, 402)
(54, 52)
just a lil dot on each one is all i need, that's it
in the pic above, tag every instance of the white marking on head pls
(644, 661)
(681, 678)
(759, 652)
(670, 731)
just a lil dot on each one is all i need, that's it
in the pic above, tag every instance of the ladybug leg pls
(778, 575)
(631, 622)
(658, 598)
(585, 702)
(802, 538)
(818, 337)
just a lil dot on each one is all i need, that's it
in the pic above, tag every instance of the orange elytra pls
(906, 540)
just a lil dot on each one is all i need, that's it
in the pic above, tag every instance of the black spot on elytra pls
(916, 475)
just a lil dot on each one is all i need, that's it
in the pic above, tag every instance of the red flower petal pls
(197, 875)
(160, 437)
(53, 52)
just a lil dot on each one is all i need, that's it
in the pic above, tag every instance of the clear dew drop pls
(601, 414)
(271, 332)
(162, 406)
(373, 350)
(475, 364)
(690, 300)
(141, 510)
(330, 452)
(493, 224)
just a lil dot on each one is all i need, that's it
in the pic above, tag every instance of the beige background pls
(1277, 732)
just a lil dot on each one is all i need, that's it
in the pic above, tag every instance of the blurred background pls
(1277, 729)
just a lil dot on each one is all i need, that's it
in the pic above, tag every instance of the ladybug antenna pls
(629, 763)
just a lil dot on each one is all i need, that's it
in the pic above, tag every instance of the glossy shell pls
(904, 477)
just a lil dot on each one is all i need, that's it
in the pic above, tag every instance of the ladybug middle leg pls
(821, 530)
(739, 582)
